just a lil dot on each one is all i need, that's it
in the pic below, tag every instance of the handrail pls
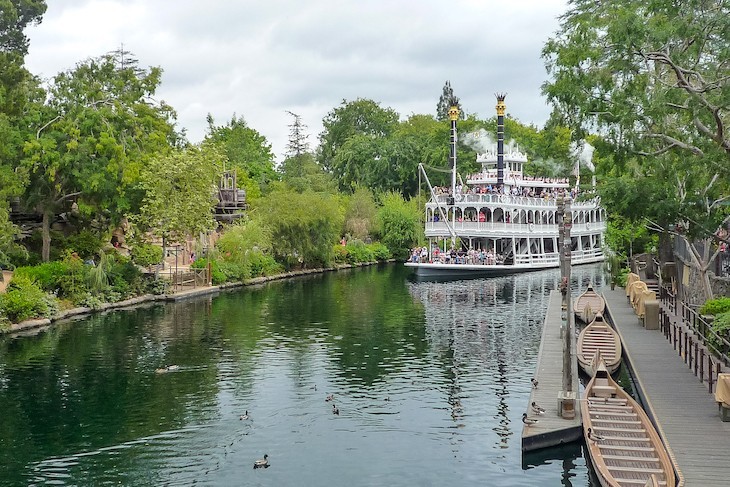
(702, 349)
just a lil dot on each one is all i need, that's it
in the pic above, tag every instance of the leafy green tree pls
(9, 246)
(653, 79)
(303, 173)
(179, 193)
(98, 129)
(360, 117)
(446, 101)
(247, 151)
(15, 16)
(360, 213)
(304, 227)
(399, 224)
(17, 86)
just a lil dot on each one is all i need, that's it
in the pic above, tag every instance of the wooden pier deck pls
(551, 430)
(685, 413)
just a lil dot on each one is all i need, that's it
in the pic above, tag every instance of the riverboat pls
(503, 221)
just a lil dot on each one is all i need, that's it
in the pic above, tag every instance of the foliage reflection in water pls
(430, 380)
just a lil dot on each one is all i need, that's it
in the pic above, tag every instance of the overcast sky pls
(259, 59)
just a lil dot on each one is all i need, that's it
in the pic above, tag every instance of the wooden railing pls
(189, 278)
(704, 351)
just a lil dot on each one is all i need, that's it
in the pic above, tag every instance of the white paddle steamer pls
(503, 221)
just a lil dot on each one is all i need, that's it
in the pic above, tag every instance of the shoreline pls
(38, 324)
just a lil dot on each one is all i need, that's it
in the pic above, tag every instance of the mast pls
(453, 117)
(500, 138)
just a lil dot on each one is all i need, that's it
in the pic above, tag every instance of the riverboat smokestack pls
(500, 138)
(453, 117)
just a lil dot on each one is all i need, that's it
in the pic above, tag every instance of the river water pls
(430, 379)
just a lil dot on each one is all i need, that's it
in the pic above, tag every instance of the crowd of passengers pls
(514, 191)
(452, 256)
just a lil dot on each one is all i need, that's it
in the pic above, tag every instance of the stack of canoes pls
(624, 446)
(599, 336)
(588, 305)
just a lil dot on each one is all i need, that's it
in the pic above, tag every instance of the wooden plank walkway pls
(551, 430)
(685, 413)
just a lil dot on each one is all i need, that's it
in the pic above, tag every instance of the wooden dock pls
(684, 412)
(551, 429)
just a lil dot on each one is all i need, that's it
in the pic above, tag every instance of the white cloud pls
(259, 59)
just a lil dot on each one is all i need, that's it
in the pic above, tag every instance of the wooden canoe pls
(588, 305)
(625, 448)
(600, 336)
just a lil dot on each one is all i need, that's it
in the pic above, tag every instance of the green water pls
(430, 379)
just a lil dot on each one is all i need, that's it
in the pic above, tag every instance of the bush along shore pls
(40, 295)
(39, 323)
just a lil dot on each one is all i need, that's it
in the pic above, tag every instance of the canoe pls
(599, 335)
(588, 305)
(624, 447)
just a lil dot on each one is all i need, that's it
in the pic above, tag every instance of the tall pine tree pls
(446, 101)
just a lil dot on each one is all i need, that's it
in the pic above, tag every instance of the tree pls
(179, 193)
(15, 16)
(360, 117)
(653, 79)
(8, 244)
(360, 213)
(446, 101)
(297, 145)
(302, 174)
(17, 87)
(399, 224)
(247, 151)
(300, 170)
(99, 127)
(304, 227)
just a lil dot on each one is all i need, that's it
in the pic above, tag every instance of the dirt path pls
(7, 275)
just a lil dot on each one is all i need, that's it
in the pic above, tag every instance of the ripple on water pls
(430, 380)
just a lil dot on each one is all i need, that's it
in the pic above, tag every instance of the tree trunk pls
(46, 232)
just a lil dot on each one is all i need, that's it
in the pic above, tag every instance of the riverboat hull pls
(440, 270)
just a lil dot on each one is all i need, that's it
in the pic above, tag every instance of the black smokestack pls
(500, 138)
(453, 117)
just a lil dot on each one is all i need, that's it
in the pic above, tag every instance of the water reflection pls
(430, 379)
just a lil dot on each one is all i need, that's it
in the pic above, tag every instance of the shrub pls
(398, 224)
(339, 253)
(86, 244)
(263, 265)
(46, 275)
(157, 286)
(358, 252)
(716, 306)
(146, 254)
(24, 299)
(380, 251)
(218, 276)
(124, 277)
(721, 326)
(72, 284)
